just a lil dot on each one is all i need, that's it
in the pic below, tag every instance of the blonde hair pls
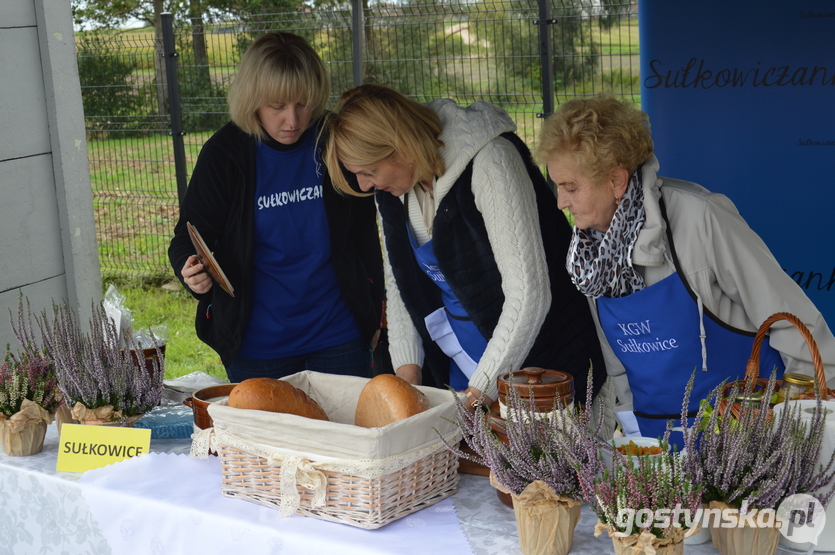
(277, 68)
(375, 123)
(601, 133)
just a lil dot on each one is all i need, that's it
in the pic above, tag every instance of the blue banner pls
(741, 98)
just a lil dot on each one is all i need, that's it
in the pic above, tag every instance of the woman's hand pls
(195, 276)
(410, 373)
(474, 395)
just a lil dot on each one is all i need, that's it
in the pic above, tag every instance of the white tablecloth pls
(145, 506)
(136, 501)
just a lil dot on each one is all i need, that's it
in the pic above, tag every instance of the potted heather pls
(749, 463)
(29, 394)
(646, 504)
(547, 463)
(102, 382)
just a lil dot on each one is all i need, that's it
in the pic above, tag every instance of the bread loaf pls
(386, 399)
(274, 395)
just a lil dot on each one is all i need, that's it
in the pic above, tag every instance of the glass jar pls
(794, 385)
(751, 400)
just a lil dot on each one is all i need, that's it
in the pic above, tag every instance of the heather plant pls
(92, 367)
(649, 484)
(759, 458)
(29, 374)
(559, 448)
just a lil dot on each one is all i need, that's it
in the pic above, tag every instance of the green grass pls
(151, 305)
(135, 201)
(621, 39)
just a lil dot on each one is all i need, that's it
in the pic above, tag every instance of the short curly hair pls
(601, 133)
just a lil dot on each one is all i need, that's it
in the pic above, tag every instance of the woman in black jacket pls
(304, 262)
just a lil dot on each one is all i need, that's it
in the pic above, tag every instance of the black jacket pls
(219, 202)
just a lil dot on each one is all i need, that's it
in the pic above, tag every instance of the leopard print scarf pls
(600, 264)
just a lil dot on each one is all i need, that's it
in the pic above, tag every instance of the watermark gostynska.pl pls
(800, 518)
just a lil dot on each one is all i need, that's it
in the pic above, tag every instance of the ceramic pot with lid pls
(544, 386)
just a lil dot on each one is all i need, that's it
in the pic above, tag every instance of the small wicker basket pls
(753, 381)
(362, 502)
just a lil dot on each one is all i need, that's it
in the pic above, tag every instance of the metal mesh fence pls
(468, 51)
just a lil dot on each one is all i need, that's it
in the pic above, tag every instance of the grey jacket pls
(728, 267)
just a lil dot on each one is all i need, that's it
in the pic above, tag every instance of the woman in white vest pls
(473, 242)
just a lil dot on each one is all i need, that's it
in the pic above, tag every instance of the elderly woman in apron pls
(472, 239)
(679, 279)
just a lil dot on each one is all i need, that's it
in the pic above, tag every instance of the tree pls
(114, 14)
(109, 100)
(513, 39)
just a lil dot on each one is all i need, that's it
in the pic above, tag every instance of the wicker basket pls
(362, 502)
(363, 477)
(753, 381)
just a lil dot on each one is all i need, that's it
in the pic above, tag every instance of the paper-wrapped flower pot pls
(545, 520)
(102, 416)
(644, 543)
(23, 433)
(743, 540)
(63, 415)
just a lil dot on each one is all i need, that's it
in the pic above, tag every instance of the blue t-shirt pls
(297, 306)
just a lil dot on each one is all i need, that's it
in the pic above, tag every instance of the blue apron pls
(450, 326)
(655, 334)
